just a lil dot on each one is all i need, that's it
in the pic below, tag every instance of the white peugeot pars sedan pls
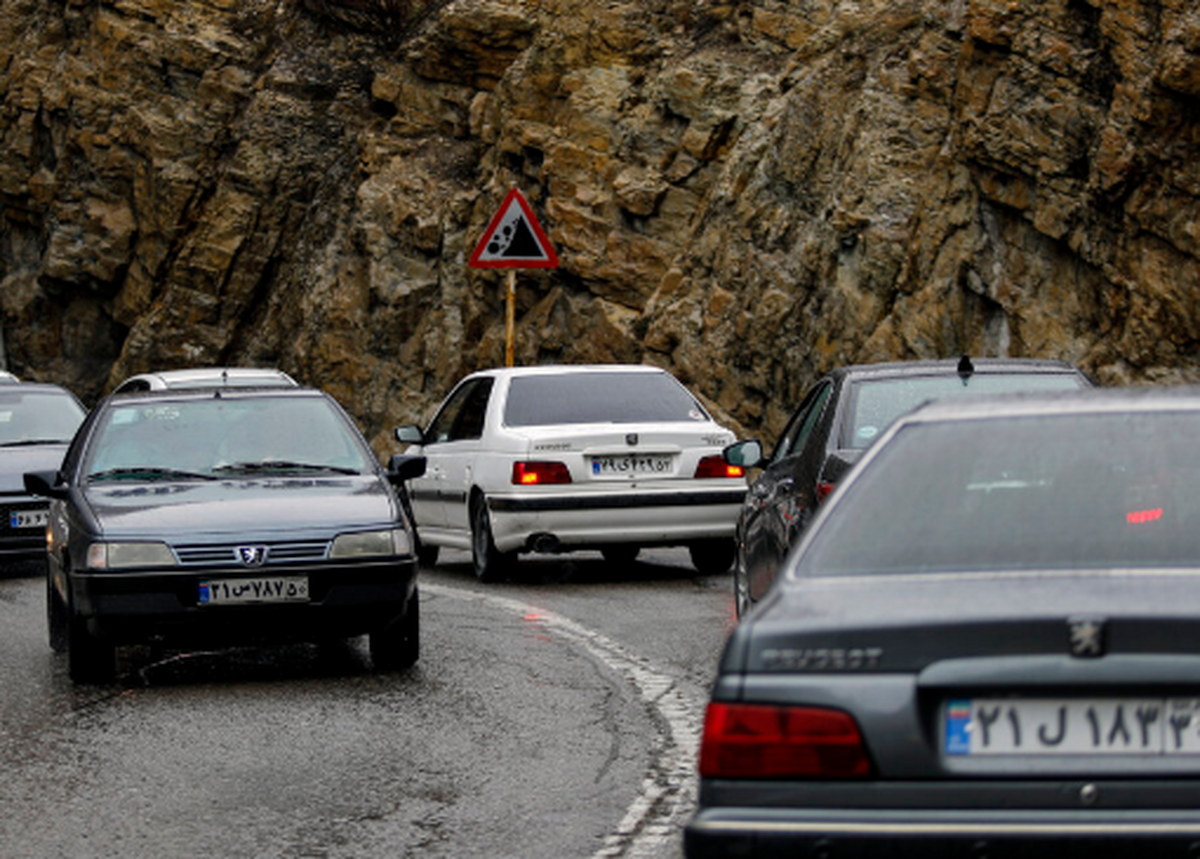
(563, 458)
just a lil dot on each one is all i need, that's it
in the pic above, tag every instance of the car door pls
(783, 495)
(452, 444)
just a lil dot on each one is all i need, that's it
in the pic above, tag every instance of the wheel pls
(90, 659)
(397, 645)
(56, 618)
(426, 555)
(712, 557)
(741, 585)
(620, 554)
(491, 565)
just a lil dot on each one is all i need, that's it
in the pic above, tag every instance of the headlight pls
(120, 556)
(371, 544)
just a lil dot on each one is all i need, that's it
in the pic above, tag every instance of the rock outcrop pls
(747, 193)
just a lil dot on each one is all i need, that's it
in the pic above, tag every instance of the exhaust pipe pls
(546, 544)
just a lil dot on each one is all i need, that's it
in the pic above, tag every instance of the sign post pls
(514, 239)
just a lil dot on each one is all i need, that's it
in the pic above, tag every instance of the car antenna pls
(965, 368)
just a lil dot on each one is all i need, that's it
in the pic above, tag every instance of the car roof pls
(567, 369)
(1054, 403)
(203, 393)
(889, 369)
(206, 377)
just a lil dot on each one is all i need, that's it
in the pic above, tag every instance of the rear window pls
(874, 405)
(584, 398)
(1092, 491)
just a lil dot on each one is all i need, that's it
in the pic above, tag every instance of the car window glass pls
(28, 417)
(599, 397)
(800, 429)
(1019, 494)
(463, 414)
(874, 404)
(214, 434)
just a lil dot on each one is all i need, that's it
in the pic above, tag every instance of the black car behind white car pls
(986, 644)
(226, 515)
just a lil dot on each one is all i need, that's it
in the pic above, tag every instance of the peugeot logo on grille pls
(1086, 636)
(631, 438)
(252, 556)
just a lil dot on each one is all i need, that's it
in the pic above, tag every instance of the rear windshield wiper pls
(280, 465)
(148, 473)
(25, 442)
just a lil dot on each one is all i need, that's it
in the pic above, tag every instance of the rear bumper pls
(831, 833)
(345, 600)
(594, 519)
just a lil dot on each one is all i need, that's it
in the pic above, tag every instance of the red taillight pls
(824, 487)
(715, 466)
(759, 741)
(537, 473)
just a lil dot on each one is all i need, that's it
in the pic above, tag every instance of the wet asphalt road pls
(556, 715)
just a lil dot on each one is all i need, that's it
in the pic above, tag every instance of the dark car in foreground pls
(986, 644)
(37, 422)
(229, 516)
(837, 420)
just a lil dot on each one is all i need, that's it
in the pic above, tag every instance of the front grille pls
(226, 554)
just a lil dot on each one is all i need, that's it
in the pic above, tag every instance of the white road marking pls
(667, 793)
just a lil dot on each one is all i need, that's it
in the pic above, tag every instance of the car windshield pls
(30, 417)
(874, 404)
(599, 397)
(1079, 491)
(222, 437)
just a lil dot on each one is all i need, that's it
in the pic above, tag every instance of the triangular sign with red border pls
(514, 239)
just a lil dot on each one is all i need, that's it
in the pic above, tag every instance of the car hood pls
(175, 510)
(15, 461)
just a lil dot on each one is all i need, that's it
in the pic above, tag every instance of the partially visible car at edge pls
(563, 458)
(228, 516)
(986, 644)
(37, 422)
(7, 378)
(206, 377)
(839, 417)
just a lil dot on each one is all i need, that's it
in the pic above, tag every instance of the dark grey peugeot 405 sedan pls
(987, 644)
(226, 515)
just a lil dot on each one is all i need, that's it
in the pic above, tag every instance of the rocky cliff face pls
(747, 193)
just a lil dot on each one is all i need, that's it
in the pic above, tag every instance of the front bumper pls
(995, 833)
(596, 519)
(344, 600)
(21, 544)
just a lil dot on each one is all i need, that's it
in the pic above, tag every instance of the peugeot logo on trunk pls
(252, 556)
(1086, 636)
(631, 438)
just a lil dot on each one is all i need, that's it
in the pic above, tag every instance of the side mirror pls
(747, 454)
(45, 484)
(410, 434)
(402, 467)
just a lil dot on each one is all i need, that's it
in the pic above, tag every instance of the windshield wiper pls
(280, 465)
(25, 442)
(148, 473)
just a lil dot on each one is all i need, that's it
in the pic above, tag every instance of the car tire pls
(620, 555)
(56, 618)
(712, 557)
(396, 645)
(90, 659)
(491, 565)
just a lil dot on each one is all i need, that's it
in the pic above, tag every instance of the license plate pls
(630, 465)
(1075, 726)
(29, 518)
(269, 589)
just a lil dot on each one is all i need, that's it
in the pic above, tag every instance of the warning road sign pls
(514, 239)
